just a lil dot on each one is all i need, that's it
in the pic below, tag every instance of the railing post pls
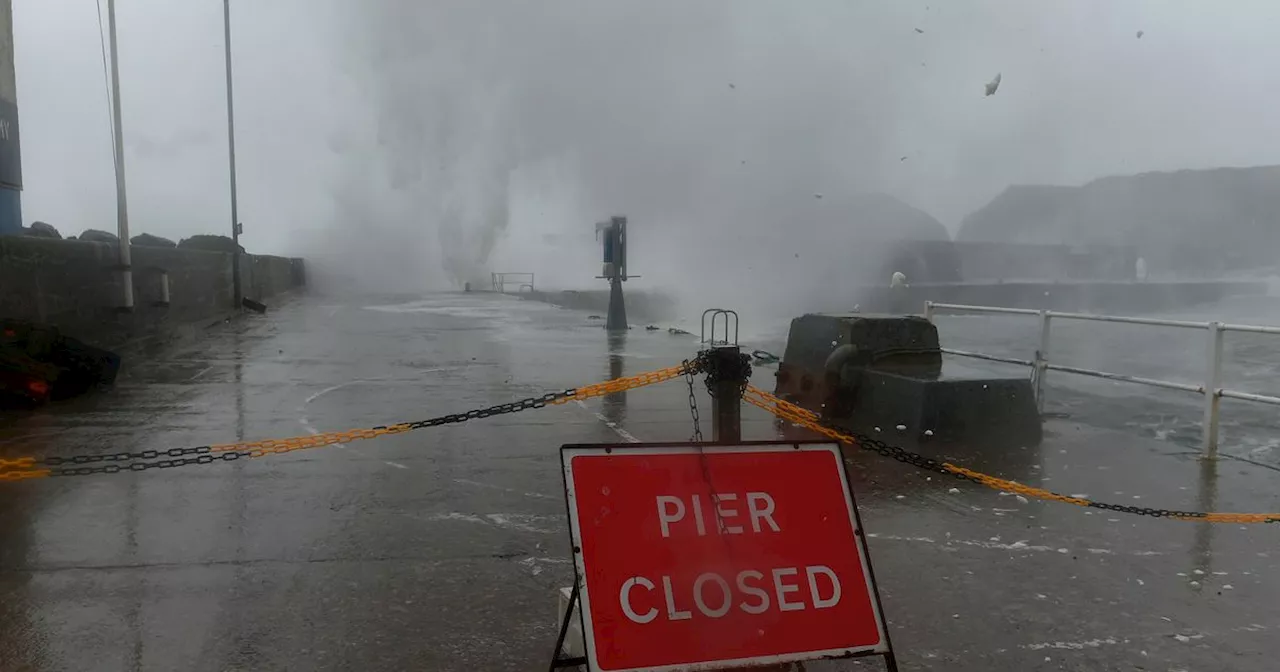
(1212, 384)
(1042, 360)
(164, 288)
(928, 310)
(726, 394)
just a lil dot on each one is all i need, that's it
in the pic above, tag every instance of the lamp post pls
(238, 295)
(122, 203)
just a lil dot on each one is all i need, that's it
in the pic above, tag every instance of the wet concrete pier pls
(441, 549)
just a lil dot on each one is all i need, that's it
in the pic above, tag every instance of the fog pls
(411, 145)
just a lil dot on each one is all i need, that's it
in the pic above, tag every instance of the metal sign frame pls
(583, 599)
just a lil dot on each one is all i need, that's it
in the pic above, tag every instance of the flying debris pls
(817, 195)
(992, 85)
(732, 86)
(1140, 34)
(903, 159)
(920, 31)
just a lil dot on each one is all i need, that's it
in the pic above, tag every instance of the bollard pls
(163, 301)
(726, 394)
(616, 318)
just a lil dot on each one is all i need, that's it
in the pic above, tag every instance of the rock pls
(148, 240)
(42, 230)
(993, 85)
(209, 243)
(96, 236)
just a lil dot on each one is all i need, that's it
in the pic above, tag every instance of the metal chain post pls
(727, 376)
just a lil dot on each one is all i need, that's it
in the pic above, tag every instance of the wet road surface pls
(442, 549)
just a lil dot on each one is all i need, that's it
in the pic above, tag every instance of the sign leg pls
(556, 661)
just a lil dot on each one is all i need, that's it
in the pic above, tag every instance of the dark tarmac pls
(442, 549)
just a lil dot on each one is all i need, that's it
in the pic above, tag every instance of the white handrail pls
(1041, 365)
(1251, 328)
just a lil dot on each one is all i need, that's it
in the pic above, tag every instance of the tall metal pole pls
(231, 153)
(122, 203)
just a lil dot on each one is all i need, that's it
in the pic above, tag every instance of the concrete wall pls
(642, 307)
(1124, 298)
(1010, 261)
(968, 261)
(73, 285)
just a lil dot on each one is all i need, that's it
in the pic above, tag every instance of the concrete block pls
(574, 645)
(982, 412)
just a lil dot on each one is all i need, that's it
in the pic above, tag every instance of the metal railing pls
(521, 280)
(1211, 390)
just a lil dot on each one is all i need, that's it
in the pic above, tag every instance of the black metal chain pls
(54, 460)
(228, 456)
(175, 457)
(689, 368)
(931, 465)
(499, 409)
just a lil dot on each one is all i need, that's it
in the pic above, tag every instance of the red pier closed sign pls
(706, 557)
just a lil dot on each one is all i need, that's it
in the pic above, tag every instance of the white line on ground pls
(626, 436)
(333, 388)
(478, 484)
(995, 544)
(513, 521)
(203, 371)
(397, 465)
(306, 422)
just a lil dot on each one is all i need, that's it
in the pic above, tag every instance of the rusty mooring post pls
(728, 375)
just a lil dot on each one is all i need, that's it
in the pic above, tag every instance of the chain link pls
(725, 369)
(144, 466)
(55, 460)
(693, 403)
(810, 420)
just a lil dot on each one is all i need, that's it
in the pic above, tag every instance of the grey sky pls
(388, 128)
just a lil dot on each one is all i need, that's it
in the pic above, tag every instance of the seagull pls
(992, 85)
(920, 31)
(1140, 33)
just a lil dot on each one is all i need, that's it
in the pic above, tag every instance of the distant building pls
(1203, 223)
